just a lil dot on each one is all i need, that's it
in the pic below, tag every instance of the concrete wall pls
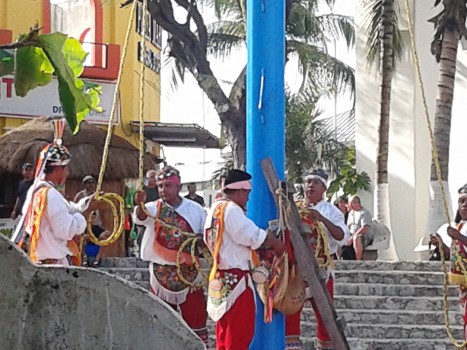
(78, 308)
(409, 153)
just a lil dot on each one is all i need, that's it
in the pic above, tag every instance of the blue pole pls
(265, 131)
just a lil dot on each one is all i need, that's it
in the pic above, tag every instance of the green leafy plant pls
(39, 57)
(348, 180)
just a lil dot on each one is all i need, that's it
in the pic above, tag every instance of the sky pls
(188, 103)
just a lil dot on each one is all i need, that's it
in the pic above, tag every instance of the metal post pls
(265, 131)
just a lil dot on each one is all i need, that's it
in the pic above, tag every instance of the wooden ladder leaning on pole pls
(307, 264)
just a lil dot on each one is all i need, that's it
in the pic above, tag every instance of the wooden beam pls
(306, 262)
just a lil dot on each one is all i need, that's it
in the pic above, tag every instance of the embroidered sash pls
(316, 241)
(33, 219)
(33, 225)
(225, 286)
(167, 243)
(458, 273)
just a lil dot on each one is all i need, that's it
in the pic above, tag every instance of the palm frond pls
(223, 8)
(225, 36)
(308, 143)
(373, 12)
(338, 27)
(323, 71)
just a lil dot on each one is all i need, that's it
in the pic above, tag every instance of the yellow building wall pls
(20, 15)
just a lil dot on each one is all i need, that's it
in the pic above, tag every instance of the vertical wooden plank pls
(307, 264)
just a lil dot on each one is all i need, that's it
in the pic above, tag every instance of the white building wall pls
(409, 152)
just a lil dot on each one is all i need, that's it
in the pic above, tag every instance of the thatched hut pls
(24, 143)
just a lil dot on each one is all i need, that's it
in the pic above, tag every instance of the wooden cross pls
(306, 262)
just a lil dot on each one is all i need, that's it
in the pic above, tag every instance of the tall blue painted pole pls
(265, 131)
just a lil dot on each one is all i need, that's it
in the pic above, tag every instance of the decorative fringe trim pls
(216, 312)
(202, 333)
(324, 345)
(458, 279)
(175, 298)
(292, 342)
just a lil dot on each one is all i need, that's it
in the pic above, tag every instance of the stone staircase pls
(386, 306)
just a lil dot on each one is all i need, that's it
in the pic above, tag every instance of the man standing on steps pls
(172, 221)
(232, 238)
(459, 253)
(327, 231)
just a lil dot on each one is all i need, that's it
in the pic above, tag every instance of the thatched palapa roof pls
(24, 143)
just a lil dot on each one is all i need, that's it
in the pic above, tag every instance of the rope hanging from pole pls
(439, 179)
(118, 213)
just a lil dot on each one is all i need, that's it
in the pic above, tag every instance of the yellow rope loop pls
(117, 215)
(439, 178)
(322, 238)
(193, 241)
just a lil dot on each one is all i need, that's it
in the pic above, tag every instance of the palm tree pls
(308, 142)
(191, 40)
(384, 48)
(307, 35)
(450, 27)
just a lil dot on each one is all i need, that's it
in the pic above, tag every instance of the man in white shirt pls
(171, 222)
(51, 221)
(232, 239)
(359, 222)
(327, 231)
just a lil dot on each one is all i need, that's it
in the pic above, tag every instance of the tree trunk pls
(442, 128)
(382, 207)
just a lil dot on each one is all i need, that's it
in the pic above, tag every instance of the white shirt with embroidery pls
(333, 214)
(191, 211)
(61, 221)
(241, 235)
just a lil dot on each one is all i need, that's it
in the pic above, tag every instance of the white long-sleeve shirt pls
(241, 235)
(61, 221)
(333, 214)
(191, 211)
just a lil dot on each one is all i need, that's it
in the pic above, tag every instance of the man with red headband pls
(50, 220)
(232, 238)
(172, 246)
(326, 229)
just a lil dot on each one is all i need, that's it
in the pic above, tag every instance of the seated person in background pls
(342, 203)
(358, 222)
(92, 251)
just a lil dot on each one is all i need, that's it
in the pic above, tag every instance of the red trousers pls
(292, 325)
(235, 330)
(193, 311)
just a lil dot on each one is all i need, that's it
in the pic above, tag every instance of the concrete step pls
(390, 277)
(347, 277)
(389, 266)
(383, 331)
(377, 302)
(429, 266)
(389, 344)
(391, 317)
(392, 289)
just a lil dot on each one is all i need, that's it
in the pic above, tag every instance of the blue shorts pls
(91, 249)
